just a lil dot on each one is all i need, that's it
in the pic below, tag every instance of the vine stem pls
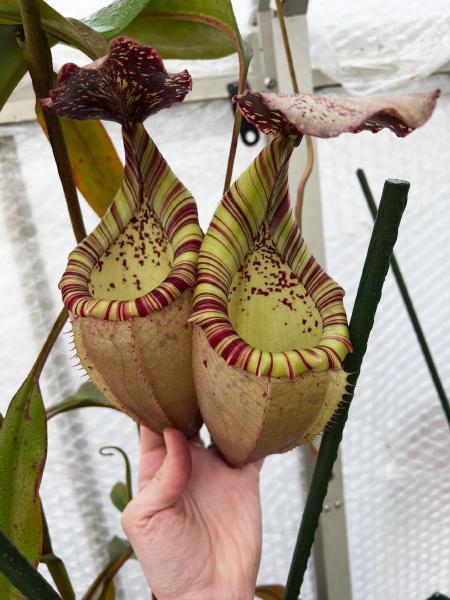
(108, 573)
(308, 139)
(38, 58)
(49, 343)
(376, 266)
(55, 565)
(233, 147)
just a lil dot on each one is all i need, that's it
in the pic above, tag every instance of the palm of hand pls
(195, 524)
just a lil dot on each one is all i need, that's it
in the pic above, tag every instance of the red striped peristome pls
(259, 199)
(295, 115)
(176, 212)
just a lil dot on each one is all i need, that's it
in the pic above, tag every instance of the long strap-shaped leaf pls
(376, 266)
(23, 448)
(22, 575)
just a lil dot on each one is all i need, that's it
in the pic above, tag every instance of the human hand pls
(195, 524)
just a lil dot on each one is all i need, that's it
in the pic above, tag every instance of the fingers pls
(255, 466)
(167, 486)
(258, 464)
(152, 455)
(149, 439)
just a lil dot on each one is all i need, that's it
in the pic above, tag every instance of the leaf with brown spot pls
(23, 449)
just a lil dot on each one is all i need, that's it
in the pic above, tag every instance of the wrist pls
(215, 593)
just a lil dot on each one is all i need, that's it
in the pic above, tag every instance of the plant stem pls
(287, 46)
(49, 343)
(55, 565)
(22, 574)
(108, 573)
(233, 147)
(298, 210)
(38, 58)
(409, 306)
(376, 266)
(308, 139)
(126, 460)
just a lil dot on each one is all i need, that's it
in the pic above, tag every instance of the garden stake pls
(376, 266)
(409, 306)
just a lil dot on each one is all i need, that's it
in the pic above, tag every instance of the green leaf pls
(270, 592)
(112, 19)
(119, 495)
(187, 29)
(59, 574)
(22, 575)
(87, 395)
(64, 30)
(116, 547)
(12, 65)
(23, 448)
(96, 166)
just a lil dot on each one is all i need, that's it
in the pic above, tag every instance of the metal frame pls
(330, 551)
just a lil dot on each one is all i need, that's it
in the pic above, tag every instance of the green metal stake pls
(22, 574)
(376, 266)
(409, 306)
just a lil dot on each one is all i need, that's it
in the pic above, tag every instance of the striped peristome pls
(147, 179)
(258, 199)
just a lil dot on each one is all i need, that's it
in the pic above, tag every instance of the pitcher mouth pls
(160, 248)
(265, 305)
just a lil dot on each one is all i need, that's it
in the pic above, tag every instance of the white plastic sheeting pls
(367, 46)
(370, 46)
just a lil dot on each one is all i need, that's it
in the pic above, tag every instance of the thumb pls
(167, 486)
